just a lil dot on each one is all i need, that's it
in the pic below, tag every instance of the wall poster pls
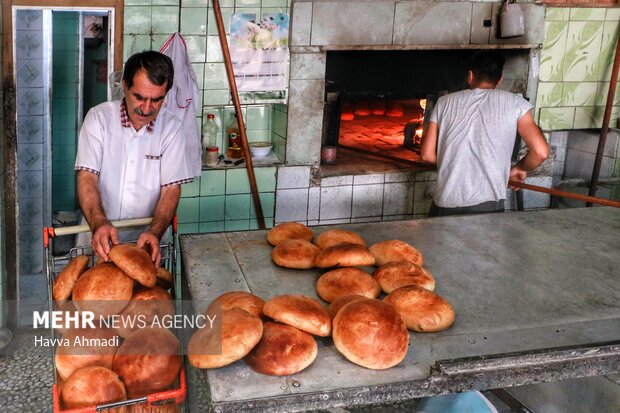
(259, 51)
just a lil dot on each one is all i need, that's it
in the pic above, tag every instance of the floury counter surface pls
(536, 295)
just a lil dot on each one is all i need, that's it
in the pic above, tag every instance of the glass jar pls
(212, 156)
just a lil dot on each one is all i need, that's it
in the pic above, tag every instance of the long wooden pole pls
(564, 194)
(598, 160)
(235, 97)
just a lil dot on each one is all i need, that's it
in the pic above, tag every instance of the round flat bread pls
(103, 289)
(295, 253)
(345, 254)
(148, 361)
(147, 305)
(83, 348)
(164, 278)
(336, 236)
(422, 310)
(135, 262)
(346, 281)
(370, 333)
(301, 312)
(338, 303)
(92, 386)
(395, 250)
(289, 230)
(65, 281)
(282, 350)
(398, 274)
(240, 332)
(237, 299)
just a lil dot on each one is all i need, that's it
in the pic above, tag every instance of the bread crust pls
(103, 289)
(370, 333)
(345, 254)
(148, 361)
(398, 274)
(422, 310)
(346, 281)
(83, 351)
(396, 250)
(283, 350)
(65, 281)
(91, 386)
(147, 304)
(289, 230)
(295, 253)
(338, 303)
(299, 311)
(237, 299)
(135, 262)
(240, 332)
(336, 236)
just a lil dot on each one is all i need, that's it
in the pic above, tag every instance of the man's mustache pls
(139, 112)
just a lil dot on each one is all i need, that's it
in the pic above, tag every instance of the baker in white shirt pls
(131, 158)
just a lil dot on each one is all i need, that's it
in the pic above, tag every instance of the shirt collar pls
(125, 123)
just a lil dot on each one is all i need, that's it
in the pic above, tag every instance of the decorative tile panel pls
(552, 55)
(579, 93)
(549, 94)
(583, 46)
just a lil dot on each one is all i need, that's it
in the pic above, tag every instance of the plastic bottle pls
(235, 150)
(209, 141)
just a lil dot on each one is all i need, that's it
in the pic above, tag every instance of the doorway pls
(63, 59)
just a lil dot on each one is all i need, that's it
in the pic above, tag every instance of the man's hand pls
(149, 242)
(517, 174)
(102, 236)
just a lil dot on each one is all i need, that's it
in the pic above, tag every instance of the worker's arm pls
(90, 203)
(538, 148)
(164, 212)
(428, 150)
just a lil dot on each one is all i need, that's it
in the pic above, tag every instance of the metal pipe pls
(605, 128)
(235, 97)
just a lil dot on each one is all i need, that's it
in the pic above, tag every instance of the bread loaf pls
(295, 253)
(65, 281)
(398, 274)
(301, 312)
(103, 289)
(147, 305)
(422, 310)
(344, 254)
(289, 230)
(336, 236)
(240, 332)
(370, 333)
(135, 262)
(83, 348)
(346, 281)
(237, 299)
(91, 386)
(395, 250)
(282, 350)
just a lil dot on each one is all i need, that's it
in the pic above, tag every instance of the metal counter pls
(536, 295)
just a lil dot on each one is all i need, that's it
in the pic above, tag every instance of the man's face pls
(144, 100)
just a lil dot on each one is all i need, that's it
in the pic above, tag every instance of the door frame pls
(9, 120)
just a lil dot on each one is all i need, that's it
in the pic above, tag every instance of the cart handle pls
(76, 229)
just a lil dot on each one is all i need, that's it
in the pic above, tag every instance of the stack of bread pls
(126, 355)
(276, 337)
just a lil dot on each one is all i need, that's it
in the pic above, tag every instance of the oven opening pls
(377, 103)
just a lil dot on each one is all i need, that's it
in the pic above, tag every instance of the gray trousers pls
(483, 208)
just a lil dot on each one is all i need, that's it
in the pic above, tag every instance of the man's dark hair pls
(487, 66)
(158, 67)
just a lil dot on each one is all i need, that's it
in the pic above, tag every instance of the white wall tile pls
(334, 221)
(314, 203)
(293, 177)
(336, 202)
(368, 179)
(301, 23)
(423, 196)
(367, 200)
(308, 65)
(398, 199)
(399, 177)
(337, 180)
(366, 219)
(291, 205)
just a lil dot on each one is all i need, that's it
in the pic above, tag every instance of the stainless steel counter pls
(536, 295)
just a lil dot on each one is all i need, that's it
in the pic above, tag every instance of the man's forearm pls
(165, 209)
(90, 199)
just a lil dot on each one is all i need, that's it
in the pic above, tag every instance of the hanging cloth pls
(183, 98)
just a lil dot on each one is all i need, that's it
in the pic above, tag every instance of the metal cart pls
(55, 264)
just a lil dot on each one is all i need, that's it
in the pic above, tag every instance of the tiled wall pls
(32, 31)
(221, 200)
(305, 198)
(575, 67)
(64, 108)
